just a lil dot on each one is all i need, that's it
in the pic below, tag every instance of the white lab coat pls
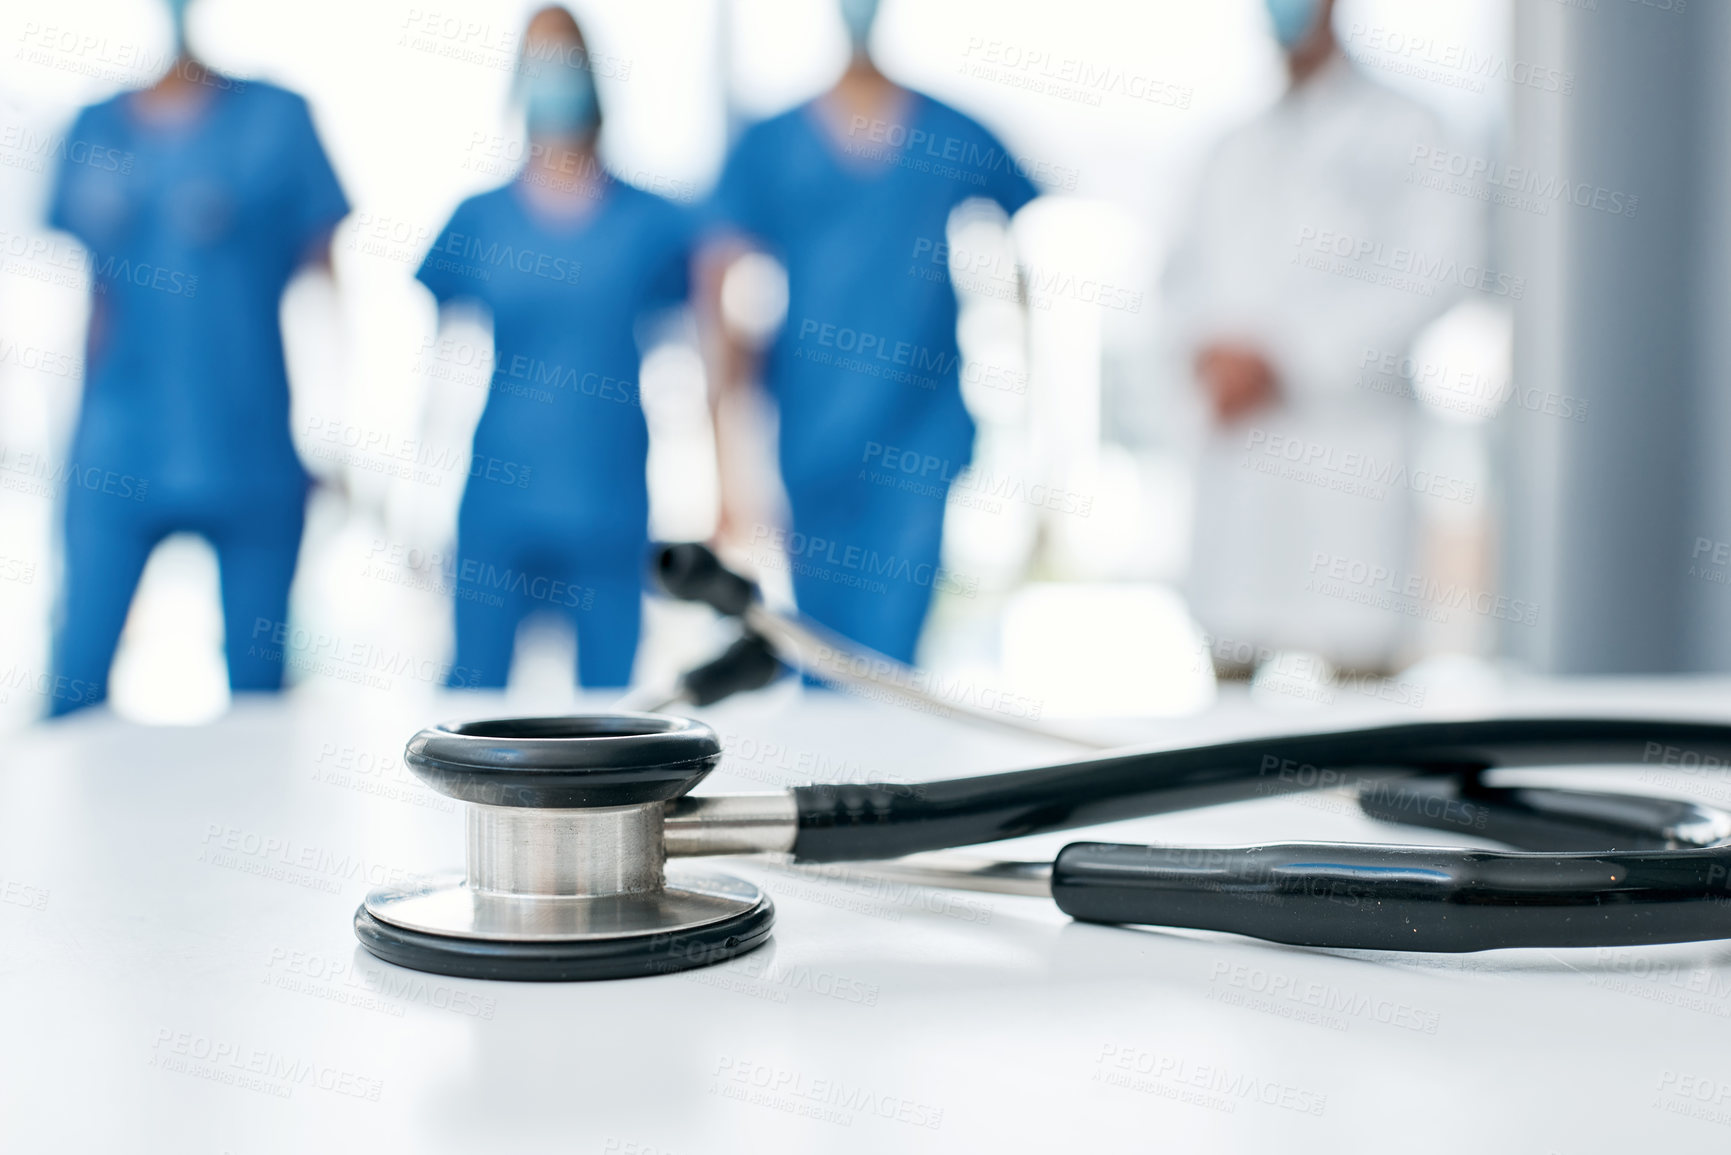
(1332, 159)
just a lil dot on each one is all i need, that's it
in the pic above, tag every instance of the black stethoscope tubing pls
(1663, 875)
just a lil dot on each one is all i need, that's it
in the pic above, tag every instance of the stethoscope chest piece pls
(567, 875)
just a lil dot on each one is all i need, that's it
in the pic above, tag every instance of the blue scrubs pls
(555, 515)
(867, 358)
(192, 233)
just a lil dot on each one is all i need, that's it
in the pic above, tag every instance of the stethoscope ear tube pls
(691, 572)
(1409, 898)
(773, 641)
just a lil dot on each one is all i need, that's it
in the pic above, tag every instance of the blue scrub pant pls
(108, 540)
(511, 566)
(868, 572)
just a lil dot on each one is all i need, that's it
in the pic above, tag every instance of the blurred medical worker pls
(567, 261)
(851, 192)
(197, 200)
(1308, 252)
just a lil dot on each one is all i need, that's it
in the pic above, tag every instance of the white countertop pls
(178, 973)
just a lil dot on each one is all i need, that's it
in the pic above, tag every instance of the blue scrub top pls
(193, 231)
(566, 303)
(868, 352)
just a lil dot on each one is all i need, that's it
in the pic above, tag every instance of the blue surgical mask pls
(1293, 19)
(858, 15)
(560, 100)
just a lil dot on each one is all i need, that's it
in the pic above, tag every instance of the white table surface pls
(178, 973)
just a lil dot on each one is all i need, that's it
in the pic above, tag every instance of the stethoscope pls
(573, 821)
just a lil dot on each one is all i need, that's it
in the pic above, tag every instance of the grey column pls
(1707, 602)
(1601, 516)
